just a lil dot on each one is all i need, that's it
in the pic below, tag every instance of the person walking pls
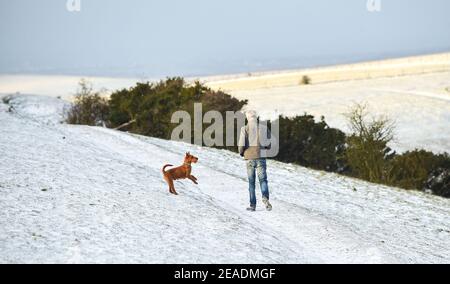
(254, 153)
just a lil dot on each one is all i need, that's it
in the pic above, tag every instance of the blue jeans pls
(258, 165)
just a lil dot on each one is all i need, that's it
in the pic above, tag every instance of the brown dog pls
(180, 172)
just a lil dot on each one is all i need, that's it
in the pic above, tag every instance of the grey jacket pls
(249, 146)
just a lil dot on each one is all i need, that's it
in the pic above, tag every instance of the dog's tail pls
(164, 168)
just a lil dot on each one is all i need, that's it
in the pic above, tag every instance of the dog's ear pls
(188, 153)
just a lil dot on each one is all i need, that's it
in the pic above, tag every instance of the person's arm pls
(241, 143)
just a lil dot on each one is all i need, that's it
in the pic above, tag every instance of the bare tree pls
(367, 147)
(89, 107)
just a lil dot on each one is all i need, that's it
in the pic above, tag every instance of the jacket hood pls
(251, 115)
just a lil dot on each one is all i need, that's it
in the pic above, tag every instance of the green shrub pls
(305, 80)
(152, 105)
(412, 169)
(310, 144)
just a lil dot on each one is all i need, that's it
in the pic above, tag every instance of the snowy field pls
(59, 86)
(394, 67)
(78, 194)
(418, 104)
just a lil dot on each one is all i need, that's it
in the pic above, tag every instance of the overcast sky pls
(198, 37)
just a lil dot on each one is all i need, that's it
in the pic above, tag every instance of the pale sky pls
(202, 37)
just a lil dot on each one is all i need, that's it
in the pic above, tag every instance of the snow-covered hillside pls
(88, 194)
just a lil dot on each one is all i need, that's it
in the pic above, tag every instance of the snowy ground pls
(88, 194)
(418, 104)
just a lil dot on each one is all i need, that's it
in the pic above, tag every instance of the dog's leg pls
(171, 185)
(194, 179)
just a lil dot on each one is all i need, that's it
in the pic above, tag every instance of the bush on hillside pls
(367, 153)
(311, 144)
(89, 107)
(152, 105)
(306, 80)
(412, 169)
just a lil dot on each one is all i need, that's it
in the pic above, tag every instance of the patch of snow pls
(42, 108)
